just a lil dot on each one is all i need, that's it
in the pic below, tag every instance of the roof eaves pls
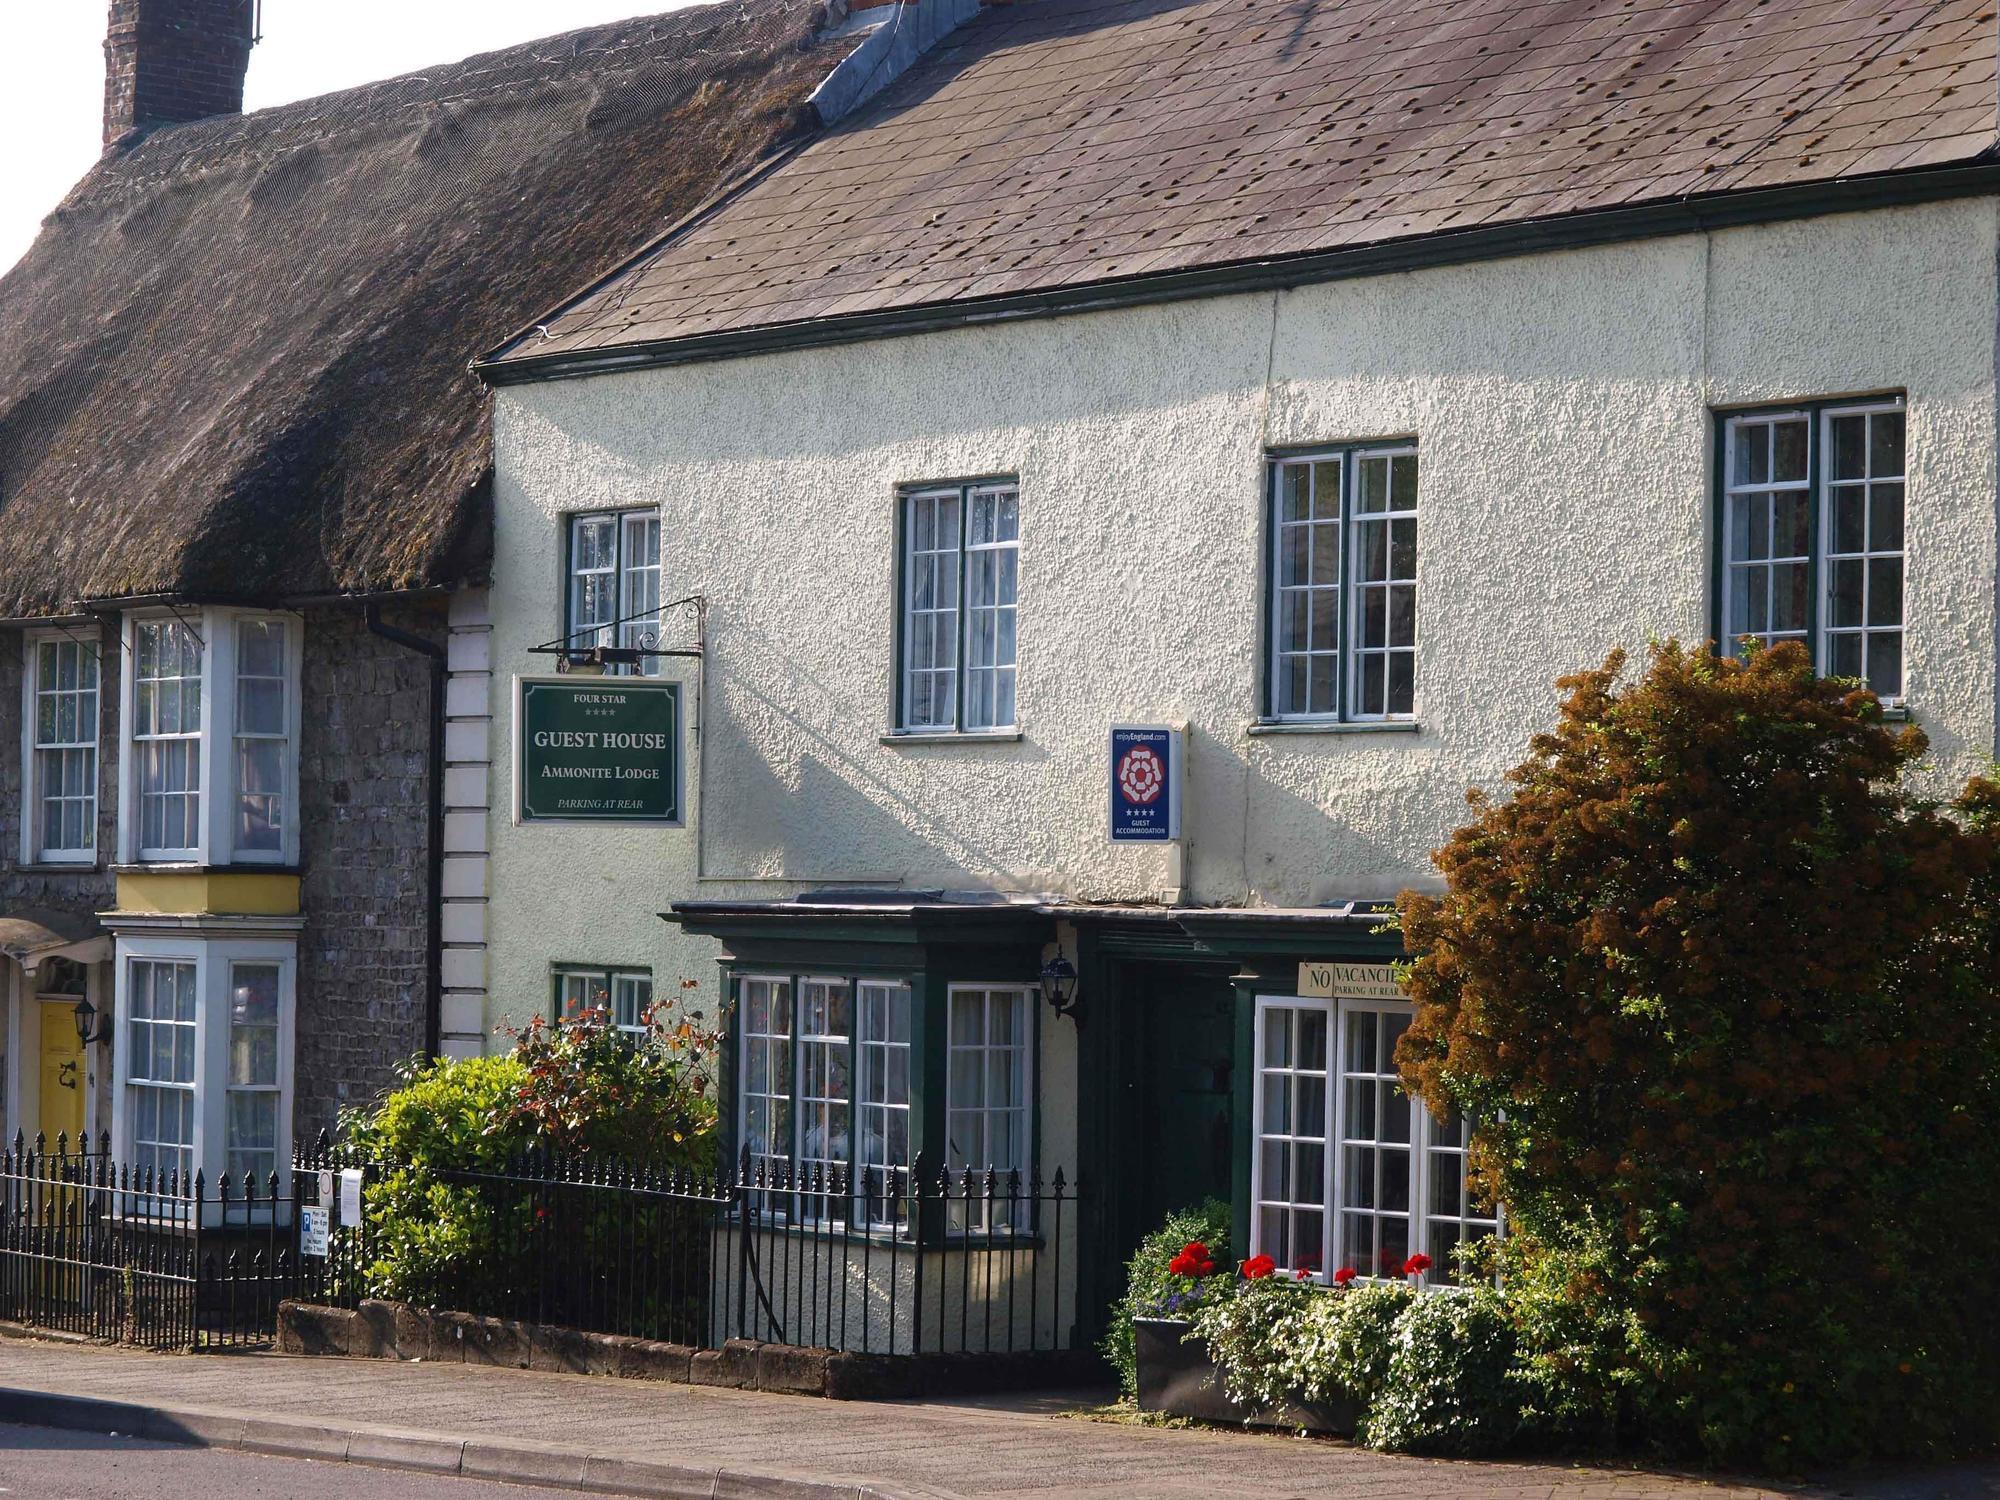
(1679, 215)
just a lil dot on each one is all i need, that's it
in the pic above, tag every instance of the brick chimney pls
(169, 61)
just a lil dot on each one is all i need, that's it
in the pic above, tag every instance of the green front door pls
(1184, 1020)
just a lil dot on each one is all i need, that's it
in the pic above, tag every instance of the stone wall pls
(363, 787)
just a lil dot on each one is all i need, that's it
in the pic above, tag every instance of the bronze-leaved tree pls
(1720, 985)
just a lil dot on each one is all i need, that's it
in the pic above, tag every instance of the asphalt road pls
(43, 1463)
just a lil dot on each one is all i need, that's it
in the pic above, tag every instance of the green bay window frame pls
(851, 1074)
(611, 579)
(957, 606)
(1810, 516)
(1341, 581)
(1346, 1168)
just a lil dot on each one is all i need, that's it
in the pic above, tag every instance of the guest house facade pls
(1127, 483)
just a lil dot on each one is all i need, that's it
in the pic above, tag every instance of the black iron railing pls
(888, 1260)
(141, 1256)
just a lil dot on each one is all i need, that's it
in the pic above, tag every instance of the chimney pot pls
(170, 61)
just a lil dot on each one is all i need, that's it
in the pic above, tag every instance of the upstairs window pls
(211, 734)
(1343, 621)
(614, 584)
(960, 580)
(1812, 513)
(166, 738)
(62, 715)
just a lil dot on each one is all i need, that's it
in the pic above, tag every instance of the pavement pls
(47, 1463)
(630, 1437)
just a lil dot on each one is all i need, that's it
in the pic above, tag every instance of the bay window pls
(823, 1088)
(1811, 536)
(204, 1067)
(1349, 1170)
(59, 815)
(987, 1089)
(166, 738)
(211, 730)
(613, 597)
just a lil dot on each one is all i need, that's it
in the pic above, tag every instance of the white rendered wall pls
(1563, 405)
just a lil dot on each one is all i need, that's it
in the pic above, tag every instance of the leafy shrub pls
(1354, 1352)
(439, 1236)
(1720, 986)
(589, 1090)
(1252, 1332)
(1154, 1291)
(1447, 1388)
(421, 1229)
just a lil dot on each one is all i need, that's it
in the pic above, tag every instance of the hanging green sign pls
(597, 750)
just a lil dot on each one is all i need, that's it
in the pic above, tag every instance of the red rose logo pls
(1141, 775)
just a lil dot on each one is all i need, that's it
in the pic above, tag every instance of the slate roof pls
(1061, 143)
(234, 364)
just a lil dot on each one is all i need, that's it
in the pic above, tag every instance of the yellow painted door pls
(62, 1077)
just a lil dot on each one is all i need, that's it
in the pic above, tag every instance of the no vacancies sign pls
(597, 750)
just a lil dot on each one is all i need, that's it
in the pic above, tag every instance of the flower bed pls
(1177, 1377)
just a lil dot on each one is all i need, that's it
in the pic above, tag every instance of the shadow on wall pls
(797, 792)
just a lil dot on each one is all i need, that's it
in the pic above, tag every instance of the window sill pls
(62, 867)
(1335, 726)
(195, 867)
(953, 737)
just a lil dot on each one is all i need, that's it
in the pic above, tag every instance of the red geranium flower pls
(1192, 1261)
(1344, 1275)
(1417, 1264)
(1257, 1267)
(1302, 1274)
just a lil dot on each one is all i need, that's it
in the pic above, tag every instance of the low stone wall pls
(396, 1330)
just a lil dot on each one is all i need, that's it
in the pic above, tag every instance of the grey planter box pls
(1180, 1379)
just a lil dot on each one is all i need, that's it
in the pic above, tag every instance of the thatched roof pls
(1056, 154)
(234, 363)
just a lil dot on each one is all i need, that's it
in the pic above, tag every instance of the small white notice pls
(326, 1186)
(350, 1195)
(314, 1231)
(1351, 981)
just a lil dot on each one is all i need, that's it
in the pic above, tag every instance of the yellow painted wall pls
(216, 892)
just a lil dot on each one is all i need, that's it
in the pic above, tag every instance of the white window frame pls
(961, 558)
(214, 960)
(886, 1206)
(631, 577)
(1426, 1142)
(33, 852)
(1349, 652)
(611, 979)
(969, 1214)
(1819, 558)
(216, 782)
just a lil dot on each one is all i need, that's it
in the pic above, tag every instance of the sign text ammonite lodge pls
(599, 750)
